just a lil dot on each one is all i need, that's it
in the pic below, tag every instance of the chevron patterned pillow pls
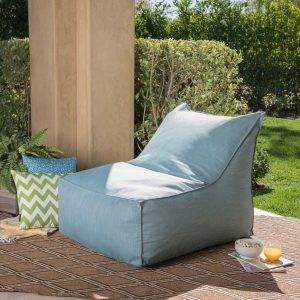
(37, 198)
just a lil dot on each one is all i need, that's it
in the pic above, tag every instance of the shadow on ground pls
(282, 141)
(262, 190)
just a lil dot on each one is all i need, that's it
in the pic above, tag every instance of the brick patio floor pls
(58, 266)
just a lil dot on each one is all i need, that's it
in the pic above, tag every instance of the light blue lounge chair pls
(189, 189)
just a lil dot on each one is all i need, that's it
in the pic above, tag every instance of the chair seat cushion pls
(124, 180)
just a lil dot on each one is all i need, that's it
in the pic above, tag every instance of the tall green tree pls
(183, 23)
(151, 19)
(266, 32)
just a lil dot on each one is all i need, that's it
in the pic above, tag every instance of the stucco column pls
(82, 77)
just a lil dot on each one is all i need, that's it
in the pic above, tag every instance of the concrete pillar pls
(82, 77)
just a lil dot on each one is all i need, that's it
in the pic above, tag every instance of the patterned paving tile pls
(48, 275)
(58, 262)
(36, 255)
(104, 294)
(95, 259)
(142, 290)
(36, 289)
(111, 280)
(13, 279)
(183, 271)
(75, 284)
(23, 266)
(178, 285)
(150, 276)
(84, 271)
(56, 265)
(219, 268)
(210, 294)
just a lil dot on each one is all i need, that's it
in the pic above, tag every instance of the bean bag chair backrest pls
(194, 145)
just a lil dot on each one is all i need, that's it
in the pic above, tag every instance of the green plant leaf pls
(11, 150)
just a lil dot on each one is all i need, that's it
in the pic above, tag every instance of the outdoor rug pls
(57, 266)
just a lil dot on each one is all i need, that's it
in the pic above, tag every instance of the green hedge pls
(167, 72)
(265, 32)
(202, 73)
(14, 87)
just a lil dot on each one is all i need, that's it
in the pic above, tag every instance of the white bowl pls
(249, 248)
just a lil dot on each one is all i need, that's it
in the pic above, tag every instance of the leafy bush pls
(266, 32)
(151, 20)
(14, 87)
(11, 150)
(13, 19)
(261, 165)
(278, 105)
(202, 73)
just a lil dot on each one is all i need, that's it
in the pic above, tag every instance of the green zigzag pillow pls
(37, 198)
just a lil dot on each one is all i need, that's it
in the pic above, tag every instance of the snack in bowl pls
(249, 248)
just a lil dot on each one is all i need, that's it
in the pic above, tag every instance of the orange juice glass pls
(272, 251)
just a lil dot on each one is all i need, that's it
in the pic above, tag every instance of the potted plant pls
(11, 150)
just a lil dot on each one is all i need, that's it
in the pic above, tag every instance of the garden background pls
(220, 56)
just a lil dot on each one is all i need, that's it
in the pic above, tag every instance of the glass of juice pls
(272, 251)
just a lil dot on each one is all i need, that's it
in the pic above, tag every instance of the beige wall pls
(82, 76)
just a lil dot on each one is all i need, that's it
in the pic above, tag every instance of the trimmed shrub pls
(261, 165)
(282, 105)
(266, 32)
(202, 73)
(14, 87)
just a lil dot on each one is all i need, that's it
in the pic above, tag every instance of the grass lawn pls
(281, 194)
